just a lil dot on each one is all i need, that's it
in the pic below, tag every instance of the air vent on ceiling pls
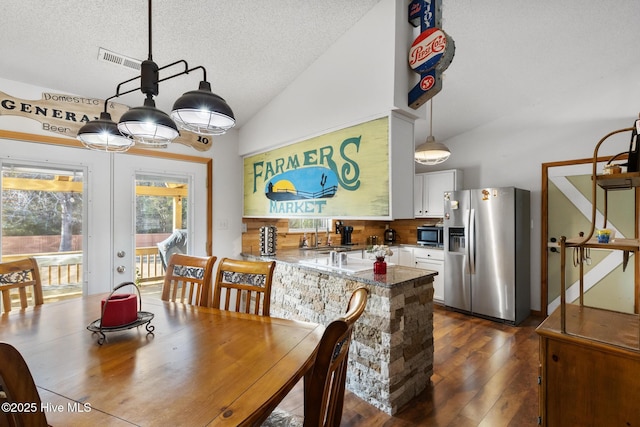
(105, 55)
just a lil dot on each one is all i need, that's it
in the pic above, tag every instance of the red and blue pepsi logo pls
(427, 50)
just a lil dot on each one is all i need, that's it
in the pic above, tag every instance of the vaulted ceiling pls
(510, 54)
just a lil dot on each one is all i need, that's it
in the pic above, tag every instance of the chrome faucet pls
(316, 242)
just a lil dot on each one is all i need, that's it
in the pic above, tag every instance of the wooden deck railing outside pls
(149, 265)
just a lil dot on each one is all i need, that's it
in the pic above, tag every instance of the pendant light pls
(199, 111)
(103, 135)
(431, 152)
(203, 112)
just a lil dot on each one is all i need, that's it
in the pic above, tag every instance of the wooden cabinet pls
(586, 382)
(590, 356)
(429, 189)
(432, 259)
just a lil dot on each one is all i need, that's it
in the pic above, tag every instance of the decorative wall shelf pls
(619, 181)
(590, 356)
(615, 244)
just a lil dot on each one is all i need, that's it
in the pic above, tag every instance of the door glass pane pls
(161, 226)
(42, 211)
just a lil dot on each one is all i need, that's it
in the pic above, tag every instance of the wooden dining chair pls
(325, 384)
(20, 279)
(188, 279)
(244, 286)
(18, 387)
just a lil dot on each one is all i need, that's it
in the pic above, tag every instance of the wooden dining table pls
(200, 366)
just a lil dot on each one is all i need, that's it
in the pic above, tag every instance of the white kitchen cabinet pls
(426, 259)
(432, 259)
(418, 192)
(393, 259)
(405, 257)
(429, 189)
(363, 254)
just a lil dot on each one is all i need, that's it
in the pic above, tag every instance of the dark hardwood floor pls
(485, 374)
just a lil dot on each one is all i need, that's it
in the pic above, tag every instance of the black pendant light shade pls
(203, 112)
(199, 111)
(148, 125)
(103, 135)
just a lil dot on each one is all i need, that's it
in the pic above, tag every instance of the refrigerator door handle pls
(465, 219)
(472, 241)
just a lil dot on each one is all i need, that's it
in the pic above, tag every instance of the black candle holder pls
(143, 318)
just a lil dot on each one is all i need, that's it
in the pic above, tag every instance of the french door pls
(136, 179)
(113, 210)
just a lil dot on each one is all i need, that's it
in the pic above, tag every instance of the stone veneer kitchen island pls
(391, 356)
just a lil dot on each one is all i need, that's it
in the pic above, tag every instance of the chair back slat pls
(244, 286)
(188, 279)
(20, 279)
(325, 384)
(324, 398)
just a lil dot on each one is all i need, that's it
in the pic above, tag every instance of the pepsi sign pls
(427, 50)
(431, 52)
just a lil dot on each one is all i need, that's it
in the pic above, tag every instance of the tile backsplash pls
(405, 229)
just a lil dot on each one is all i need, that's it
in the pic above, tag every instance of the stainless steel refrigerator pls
(487, 252)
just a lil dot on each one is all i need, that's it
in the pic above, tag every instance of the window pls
(42, 213)
(302, 225)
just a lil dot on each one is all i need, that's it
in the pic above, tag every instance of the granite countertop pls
(307, 260)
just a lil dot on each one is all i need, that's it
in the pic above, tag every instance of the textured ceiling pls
(251, 49)
(510, 54)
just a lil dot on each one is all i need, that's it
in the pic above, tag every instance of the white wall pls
(228, 171)
(354, 80)
(510, 151)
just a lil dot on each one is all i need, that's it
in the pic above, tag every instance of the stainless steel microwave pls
(429, 235)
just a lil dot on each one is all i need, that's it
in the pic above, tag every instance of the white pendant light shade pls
(431, 152)
(103, 135)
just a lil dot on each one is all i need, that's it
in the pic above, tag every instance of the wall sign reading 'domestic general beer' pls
(64, 115)
(342, 173)
(431, 52)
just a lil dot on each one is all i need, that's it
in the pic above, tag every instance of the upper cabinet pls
(429, 189)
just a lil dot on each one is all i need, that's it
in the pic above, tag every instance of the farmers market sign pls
(342, 173)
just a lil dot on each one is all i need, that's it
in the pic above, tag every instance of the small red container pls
(121, 309)
(379, 266)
